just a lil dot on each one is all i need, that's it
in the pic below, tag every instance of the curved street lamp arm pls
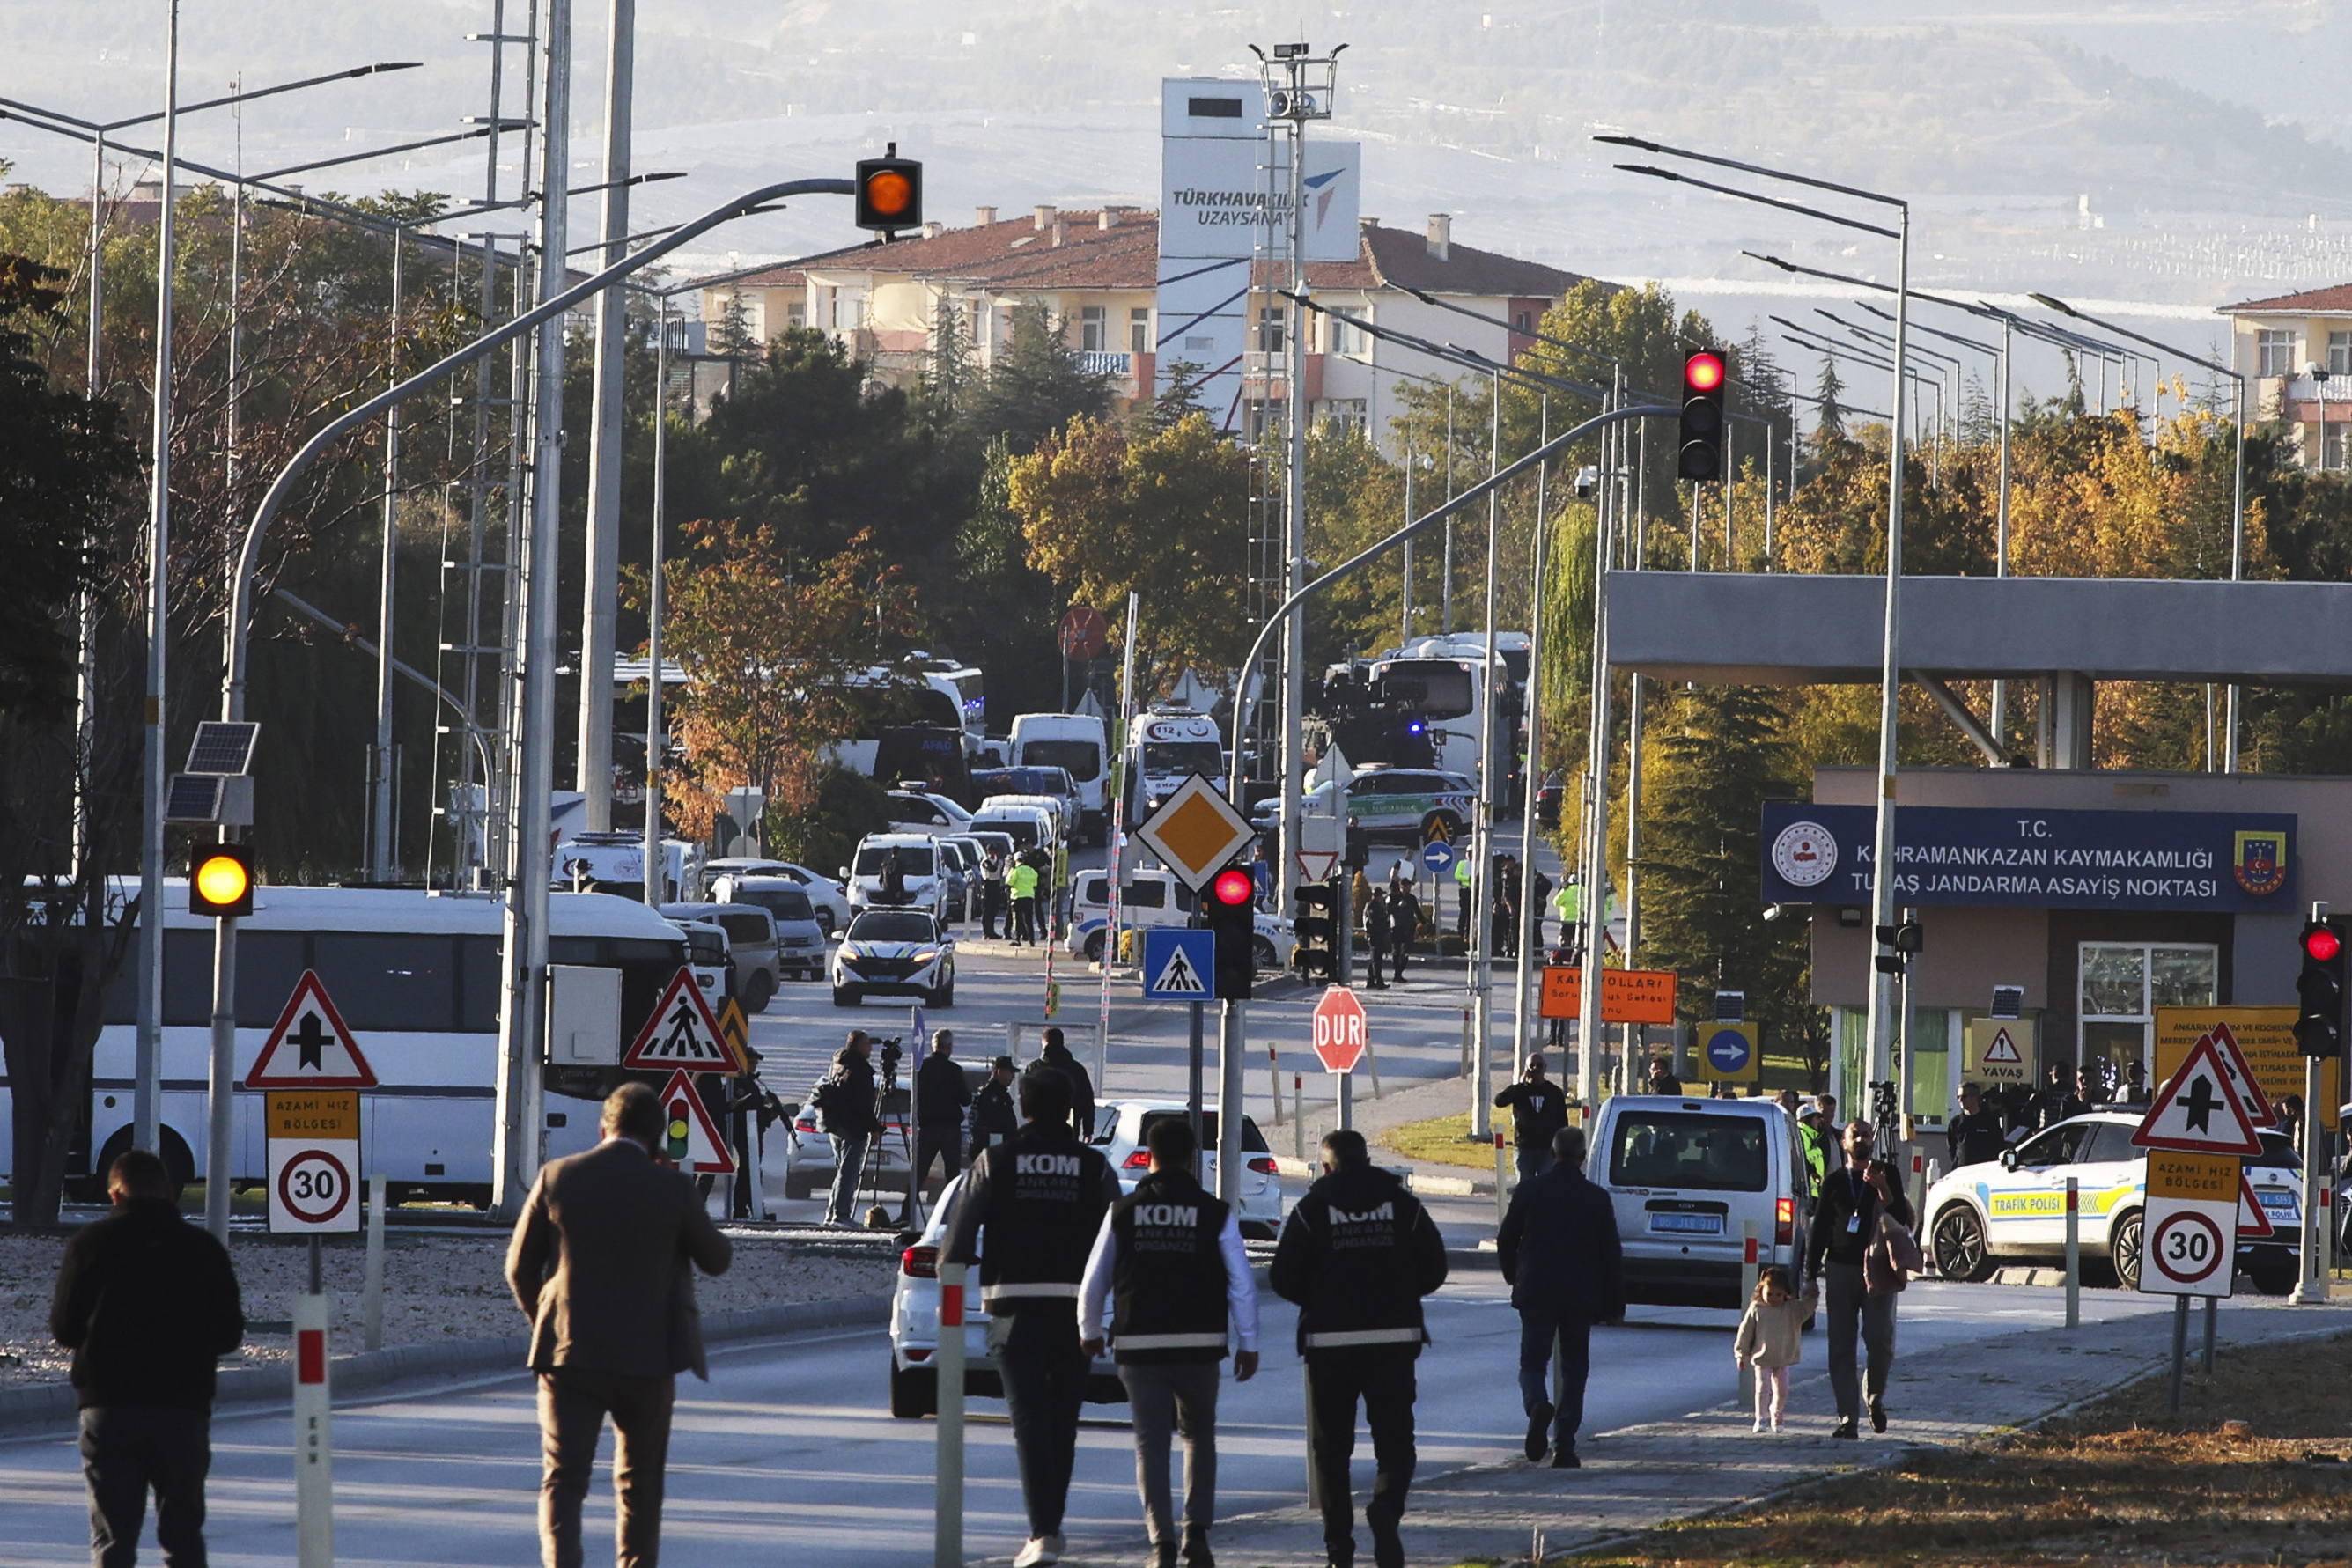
(274, 500)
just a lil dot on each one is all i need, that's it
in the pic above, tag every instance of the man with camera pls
(1039, 1197)
(1846, 1218)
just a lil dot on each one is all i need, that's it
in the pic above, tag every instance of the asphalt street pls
(789, 1454)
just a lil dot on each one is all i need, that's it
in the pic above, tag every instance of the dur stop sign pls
(1342, 1033)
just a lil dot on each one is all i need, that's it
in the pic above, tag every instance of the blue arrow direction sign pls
(1178, 964)
(1438, 856)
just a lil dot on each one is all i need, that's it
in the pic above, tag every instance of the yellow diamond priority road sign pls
(1196, 831)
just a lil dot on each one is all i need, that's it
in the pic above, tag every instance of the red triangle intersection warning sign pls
(2253, 1223)
(2242, 1078)
(692, 1137)
(684, 1032)
(310, 1047)
(2198, 1111)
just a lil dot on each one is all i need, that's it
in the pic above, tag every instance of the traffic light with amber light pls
(1315, 932)
(220, 880)
(1230, 911)
(1701, 441)
(889, 192)
(2319, 989)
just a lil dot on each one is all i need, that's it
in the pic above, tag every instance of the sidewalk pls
(1640, 1477)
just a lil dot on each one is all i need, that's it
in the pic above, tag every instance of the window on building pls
(1271, 320)
(1138, 330)
(2273, 351)
(2340, 353)
(1093, 327)
(2121, 985)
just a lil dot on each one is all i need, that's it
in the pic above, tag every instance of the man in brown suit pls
(614, 1323)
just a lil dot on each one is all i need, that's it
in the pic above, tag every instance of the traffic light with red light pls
(889, 192)
(1230, 911)
(2319, 989)
(1701, 441)
(220, 880)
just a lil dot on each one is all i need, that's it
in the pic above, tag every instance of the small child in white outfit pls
(1769, 1341)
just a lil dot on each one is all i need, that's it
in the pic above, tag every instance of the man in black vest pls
(1042, 1195)
(1169, 1259)
(1357, 1255)
(1561, 1256)
(1538, 1109)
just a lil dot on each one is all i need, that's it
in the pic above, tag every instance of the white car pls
(824, 894)
(918, 870)
(894, 952)
(1121, 1126)
(915, 1329)
(2014, 1209)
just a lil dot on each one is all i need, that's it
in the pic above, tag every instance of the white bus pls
(415, 976)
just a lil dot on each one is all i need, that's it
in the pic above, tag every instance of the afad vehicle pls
(1163, 749)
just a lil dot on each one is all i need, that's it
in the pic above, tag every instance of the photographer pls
(1845, 1222)
(844, 1101)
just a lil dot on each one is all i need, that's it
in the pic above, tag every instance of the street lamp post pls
(2238, 489)
(1881, 1025)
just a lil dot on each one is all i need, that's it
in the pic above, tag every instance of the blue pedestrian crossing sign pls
(1730, 1053)
(1179, 965)
(1438, 856)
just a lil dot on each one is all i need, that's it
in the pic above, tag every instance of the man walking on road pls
(600, 1265)
(1538, 1109)
(1357, 1255)
(941, 1096)
(845, 1102)
(148, 1304)
(1041, 1197)
(1845, 1223)
(1560, 1254)
(1169, 1259)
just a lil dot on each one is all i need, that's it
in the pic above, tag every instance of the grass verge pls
(2257, 1468)
(1441, 1141)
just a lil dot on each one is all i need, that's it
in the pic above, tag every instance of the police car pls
(2014, 1209)
(1409, 804)
(894, 952)
(1122, 1125)
(915, 1329)
(1157, 898)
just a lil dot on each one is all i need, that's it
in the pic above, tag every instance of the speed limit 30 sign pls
(314, 1162)
(2189, 1232)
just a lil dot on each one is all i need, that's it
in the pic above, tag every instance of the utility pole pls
(523, 953)
(601, 592)
(1298, 87)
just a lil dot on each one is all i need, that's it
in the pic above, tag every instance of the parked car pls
(1121, 1126)
(1687, 1178)
(2014, 1209)
(824, 894)
(919, 869)
(1156, 898)
(923, 812)
(915, 1330)
(895, 952)
(752, 941)
(1404, 804)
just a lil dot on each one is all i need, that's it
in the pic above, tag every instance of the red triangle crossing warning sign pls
(310, 1047)
(2242, 1078)
(2253, 1223)
(691, 1138)
(2198, 1111)
(684, 1032)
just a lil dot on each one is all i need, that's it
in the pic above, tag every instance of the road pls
(789, 1455)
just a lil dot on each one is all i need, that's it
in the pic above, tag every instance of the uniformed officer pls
(1169, 1259)
(1042, 1195)
(1357, 1255)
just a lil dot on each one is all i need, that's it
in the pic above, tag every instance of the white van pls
(1079, 744)
(1687, 1178)
(918, 866)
